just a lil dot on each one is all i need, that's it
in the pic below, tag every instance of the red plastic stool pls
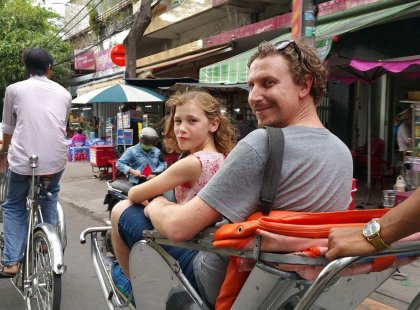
(113, 163)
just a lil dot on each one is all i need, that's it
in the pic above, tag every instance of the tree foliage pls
(23, 25)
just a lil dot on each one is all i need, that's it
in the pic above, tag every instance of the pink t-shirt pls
(78, 138)
(210, 163)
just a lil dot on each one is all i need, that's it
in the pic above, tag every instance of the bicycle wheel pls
(47, 291)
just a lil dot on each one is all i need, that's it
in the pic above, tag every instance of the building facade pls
(210, 40)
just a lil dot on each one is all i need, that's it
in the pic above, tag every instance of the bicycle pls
(39, 277)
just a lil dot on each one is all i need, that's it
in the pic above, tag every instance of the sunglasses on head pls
(284, 44)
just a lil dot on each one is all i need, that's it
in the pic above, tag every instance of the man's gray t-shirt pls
(316, 176)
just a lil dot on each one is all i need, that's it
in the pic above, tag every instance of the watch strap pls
(378, 243)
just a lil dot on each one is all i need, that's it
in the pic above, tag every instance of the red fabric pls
(297, 224)
(382, 263)
(232, 285)
(146, 170)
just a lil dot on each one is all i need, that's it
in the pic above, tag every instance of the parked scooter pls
(118, 190)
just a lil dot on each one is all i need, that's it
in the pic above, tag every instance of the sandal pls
(5, 274)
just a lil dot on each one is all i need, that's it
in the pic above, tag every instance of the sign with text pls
(123, 120)
(103, 60)
(84, 60)
(128, 137)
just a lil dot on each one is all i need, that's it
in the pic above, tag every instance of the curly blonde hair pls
(307, 64)
(224, 136)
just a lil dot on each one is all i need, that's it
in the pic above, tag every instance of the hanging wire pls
(58, 38)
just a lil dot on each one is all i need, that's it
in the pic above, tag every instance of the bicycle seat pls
(45, 180)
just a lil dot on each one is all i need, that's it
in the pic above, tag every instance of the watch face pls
(371, 228)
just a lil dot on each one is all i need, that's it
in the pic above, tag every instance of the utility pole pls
(308, 23)
(303, 21)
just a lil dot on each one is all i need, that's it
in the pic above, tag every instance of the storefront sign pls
(103, 60)
(117, 55)
(84, 60)
(323, 48)
(128, 137)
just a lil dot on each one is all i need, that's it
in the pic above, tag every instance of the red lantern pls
(118, 55)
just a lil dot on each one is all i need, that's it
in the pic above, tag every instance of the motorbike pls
(118, 191)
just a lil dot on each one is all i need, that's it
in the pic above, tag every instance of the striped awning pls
(234, 70)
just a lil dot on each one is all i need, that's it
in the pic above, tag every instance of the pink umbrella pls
(349, 70)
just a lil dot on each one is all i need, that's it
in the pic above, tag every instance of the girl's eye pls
(177, 122)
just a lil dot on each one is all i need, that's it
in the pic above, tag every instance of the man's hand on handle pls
(3, 161)
(344, 242)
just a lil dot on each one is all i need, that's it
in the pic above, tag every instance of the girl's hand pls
(146, 211)
(155, 203)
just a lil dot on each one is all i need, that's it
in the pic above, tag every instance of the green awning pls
(234, 70)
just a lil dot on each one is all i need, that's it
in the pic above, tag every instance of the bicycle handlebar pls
(334, 267)
(90, 230)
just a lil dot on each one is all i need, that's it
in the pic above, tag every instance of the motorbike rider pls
(136, 158)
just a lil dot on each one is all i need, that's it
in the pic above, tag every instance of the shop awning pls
(158, 83)
(182, 87)
(144, 71)
(234, 70)
(185, 59)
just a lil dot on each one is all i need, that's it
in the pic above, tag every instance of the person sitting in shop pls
(404, 130)
(142, 160)
(79, 137)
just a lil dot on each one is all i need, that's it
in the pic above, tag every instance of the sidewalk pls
(80, 188)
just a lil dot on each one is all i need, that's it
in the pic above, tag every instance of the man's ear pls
(48, 72)
(305, 86)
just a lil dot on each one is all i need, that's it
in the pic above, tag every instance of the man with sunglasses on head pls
(286, 81)
(35, 115)
(141, 157)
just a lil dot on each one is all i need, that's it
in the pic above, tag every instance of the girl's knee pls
(118, 209)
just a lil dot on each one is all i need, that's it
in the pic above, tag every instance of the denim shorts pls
(131, 225)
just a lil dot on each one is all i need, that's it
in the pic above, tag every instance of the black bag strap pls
(273, 169)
